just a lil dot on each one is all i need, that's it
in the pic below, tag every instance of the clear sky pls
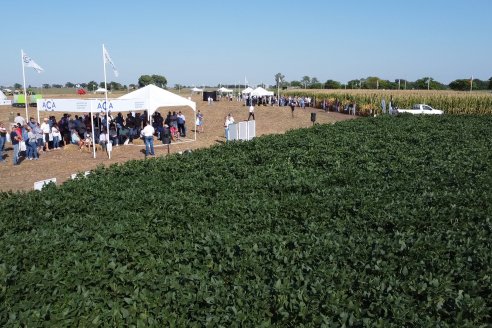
(210, 42)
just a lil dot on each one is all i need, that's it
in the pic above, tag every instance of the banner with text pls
(85, 105)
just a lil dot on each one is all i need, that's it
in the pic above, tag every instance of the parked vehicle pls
(421, 109)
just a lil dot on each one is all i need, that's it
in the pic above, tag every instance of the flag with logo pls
(28, 62)
(107, 59)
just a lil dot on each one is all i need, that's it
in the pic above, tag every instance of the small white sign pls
(38, 185)
(86, 173)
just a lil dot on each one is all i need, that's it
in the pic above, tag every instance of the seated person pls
(123, 134)
(75, 139)
(87, 139)
(174, 133)
(103, 140)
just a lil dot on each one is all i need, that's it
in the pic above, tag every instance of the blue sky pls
(210, 42)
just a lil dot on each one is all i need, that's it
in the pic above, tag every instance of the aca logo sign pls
(48, 105)
(101, 106)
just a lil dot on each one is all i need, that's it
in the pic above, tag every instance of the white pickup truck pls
(421, 109)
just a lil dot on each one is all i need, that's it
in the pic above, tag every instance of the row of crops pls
(384, 221)
(369, 101)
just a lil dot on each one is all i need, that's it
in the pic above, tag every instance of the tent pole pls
(93, 136)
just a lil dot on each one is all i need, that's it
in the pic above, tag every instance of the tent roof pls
(225, 90)
(196, 89)
(158, 97)
(2, 95)
(100, 90)
(259, 92)
(247, 90)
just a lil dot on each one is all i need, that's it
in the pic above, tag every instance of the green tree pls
(305, 81)
(332, 84)
(115, 86)
(145, 80)
(17, 86)
(159, 81)
(92, 85)
(69, 85)
(295, 84)
(490, 84)
(46, 86)
(460, 85)
(353, 84)
(279, 79)
(428, 83)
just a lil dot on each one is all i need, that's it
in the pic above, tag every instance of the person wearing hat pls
(45, 127)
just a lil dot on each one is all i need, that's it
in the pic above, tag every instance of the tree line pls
(306, 82)
(144, 80)
(374, 82)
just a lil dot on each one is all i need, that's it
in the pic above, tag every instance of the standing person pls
(32, 151)
(55, 132)
(19, 120)
(251, 112)
(383, 106)
(3, 139)
(39, 136)
(199, 121)
(292, 107)
(45, 127)
(181, 124)
(15, 139)
(148, 135)
(228, 121)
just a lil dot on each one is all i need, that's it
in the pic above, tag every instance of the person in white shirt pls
(251, 112)
(55, 132)
(103, 138)
(229, 119)
(148, 135)
(45, 127)
(19, 120)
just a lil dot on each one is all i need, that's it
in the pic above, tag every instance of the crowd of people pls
(30, 139)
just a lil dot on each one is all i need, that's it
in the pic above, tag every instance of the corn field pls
(369, 101)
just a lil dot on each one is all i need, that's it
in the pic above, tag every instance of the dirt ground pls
(61, 164)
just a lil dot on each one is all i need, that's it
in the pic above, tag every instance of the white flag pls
(107, 59)
(28, 62)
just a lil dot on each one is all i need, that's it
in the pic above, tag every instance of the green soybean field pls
(375, 222)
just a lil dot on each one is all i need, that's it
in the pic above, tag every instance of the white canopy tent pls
(260, 92)
(195, 89)
(3, 99)
(225, 90)
(157, 97)
(247, 90)
(100, 90)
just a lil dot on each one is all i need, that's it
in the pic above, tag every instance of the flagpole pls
(471, 84)
(24, 79)
(106, 94)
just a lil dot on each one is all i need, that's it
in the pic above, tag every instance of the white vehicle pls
(421, 109)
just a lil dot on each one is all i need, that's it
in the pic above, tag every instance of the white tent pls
(100, 90)
(195, 89)
(225, 90)
(4, 100)
(260, 92)
(157, 97)
(247, 90)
